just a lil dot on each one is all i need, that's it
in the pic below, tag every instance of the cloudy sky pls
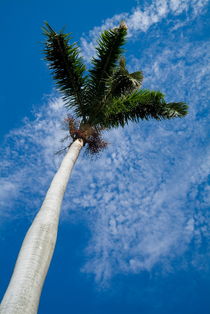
(134, 232)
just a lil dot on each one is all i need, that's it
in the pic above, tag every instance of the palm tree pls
(105, 97)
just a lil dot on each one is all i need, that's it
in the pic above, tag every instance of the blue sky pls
(134, 232)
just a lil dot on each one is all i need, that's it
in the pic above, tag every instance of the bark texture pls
(23, 293)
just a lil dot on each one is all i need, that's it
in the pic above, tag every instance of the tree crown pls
(106, 95)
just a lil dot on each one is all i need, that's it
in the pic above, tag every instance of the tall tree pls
(105, 97)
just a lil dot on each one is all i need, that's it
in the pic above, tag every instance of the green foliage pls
(108, 53)
(140, 105)
(67, 67)
(121, 82)
(109, 96)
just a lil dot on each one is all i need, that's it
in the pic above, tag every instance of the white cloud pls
(160, 169)
(142, 18)
(139, 196)
(142, 199)
(29, 160)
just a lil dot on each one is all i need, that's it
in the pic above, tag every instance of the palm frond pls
(140, 105)
(122, 82)
(108, 52)
(175, 110)
(138, 76)
(67, 67)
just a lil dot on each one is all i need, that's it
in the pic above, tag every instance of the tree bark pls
(23, 293)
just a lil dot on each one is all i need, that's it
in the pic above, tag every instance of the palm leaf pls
(122, 82)
(140, 105)
(108, 52)
(67, 67)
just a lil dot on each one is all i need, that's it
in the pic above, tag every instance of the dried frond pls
(90, 135)
(95, 144)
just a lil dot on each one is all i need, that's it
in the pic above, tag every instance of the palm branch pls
(67, 67)
(109, 51)
(141, 105)
(122, 82)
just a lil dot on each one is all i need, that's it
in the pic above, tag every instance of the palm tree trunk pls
(23, 293)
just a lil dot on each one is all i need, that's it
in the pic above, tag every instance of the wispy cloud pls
(149, 211)
(28, 160)
(142, 17)
(145, 198)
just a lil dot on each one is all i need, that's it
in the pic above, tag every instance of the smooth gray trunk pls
(23, 293)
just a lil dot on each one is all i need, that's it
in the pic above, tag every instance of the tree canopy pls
(106, 95)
